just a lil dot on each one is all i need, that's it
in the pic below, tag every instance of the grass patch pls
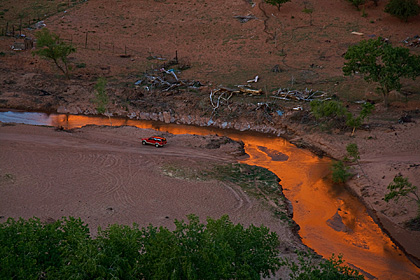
(256, 181)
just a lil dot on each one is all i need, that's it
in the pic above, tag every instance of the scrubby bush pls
(402, 188)
(403, 9)
(333, 112)
(276, 3)
(340, 172)
(357, 3)
(308, 268)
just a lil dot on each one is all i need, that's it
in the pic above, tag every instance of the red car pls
(154, 140)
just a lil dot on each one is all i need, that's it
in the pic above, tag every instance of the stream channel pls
(331, 220)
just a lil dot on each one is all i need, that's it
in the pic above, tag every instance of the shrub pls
(340, 173)
(326, 269)
(402, 188)
(357, 3)
(403, 9)
(332, 111)
(276, 3)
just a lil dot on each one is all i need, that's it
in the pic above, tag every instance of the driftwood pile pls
(165, 81)
(241, 89)
(300, 95)
(412, 42)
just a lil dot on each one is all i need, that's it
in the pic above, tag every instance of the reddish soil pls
(125, 39)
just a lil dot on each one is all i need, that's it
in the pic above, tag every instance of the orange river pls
(331, 220)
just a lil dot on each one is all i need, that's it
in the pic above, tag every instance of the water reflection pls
(331, 220)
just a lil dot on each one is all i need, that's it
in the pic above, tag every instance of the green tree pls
(379, 62)
(220, 250)
(340, 172)
(353, 152)
(101, 97)
(64, 250)
(356, 122)
(402, 188)
(276, 3)
(49, 46)
(32, 249)
(403, 9)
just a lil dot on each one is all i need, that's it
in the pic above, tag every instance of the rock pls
(336, 223)
(166, 117)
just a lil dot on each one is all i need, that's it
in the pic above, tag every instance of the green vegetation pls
(276, 3)
(101, 97)
(332, 112)
(326, 269)
(357, 3)
(403, 9)
(381, 63)
(257, 181)
(219, 249)
(353, 152)
(49, 46)
(402, 188)
(64, 250)
(340, 169)
(340, 172)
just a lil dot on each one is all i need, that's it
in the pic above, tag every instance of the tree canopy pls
(403, 9)
(50, 46)
(219, 249)
(64, 250)
(379, 62)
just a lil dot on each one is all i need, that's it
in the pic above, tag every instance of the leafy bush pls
(326, 269)
(402, 188)
(340, 173)
(333, 111)
(353, 152)
(64, 250)
(403, 9)
(276, 3)
(357, 3)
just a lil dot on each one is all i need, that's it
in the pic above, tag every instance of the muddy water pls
(331, 220)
